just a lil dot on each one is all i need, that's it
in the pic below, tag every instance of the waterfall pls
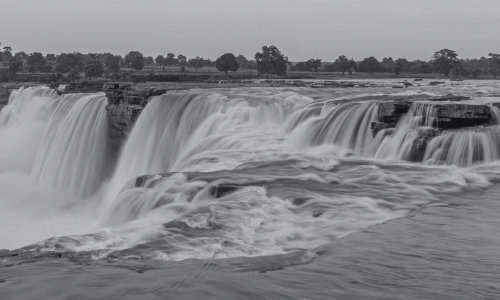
(179, 125)
(347, 126)
(402, 142)
(464, 148)
(21, 100)
(72, 156)
(22, 125)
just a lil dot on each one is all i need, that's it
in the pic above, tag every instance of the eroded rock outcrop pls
(125, 104)
(121, 118)
(419, 145)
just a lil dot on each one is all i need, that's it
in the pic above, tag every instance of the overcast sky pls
(301, 29)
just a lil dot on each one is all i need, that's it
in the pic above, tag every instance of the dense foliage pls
(227, 62)
(271, 61)
(444, 61)
(370, 65)
(134, 60)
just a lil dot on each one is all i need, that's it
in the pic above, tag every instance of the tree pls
(46, 68)
(400, 64)
(5, 56)
(227, 62)
(208, 63)
(443, 61)
(149, 61)
(302, 66)
(21, 55)
(134, 60)
(271, 61)
(370, 65)
(94, 69)
(388, 64)
(244, 63)
(314, 64)
(5, 50)
(50, 57)
(112, 64)
(161, 61)
(170, 60)
(458, 70)
(195, 63)
(329, 67)
(426, 68)
(14, 66)
(74, 75)
(342, 64)
(494, 64)
(353, 66)
(182, 62)
(35, 62)
(473, 67)
(69, 61)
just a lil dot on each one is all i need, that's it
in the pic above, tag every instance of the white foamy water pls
(225, 173)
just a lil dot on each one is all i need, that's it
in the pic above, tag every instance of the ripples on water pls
(245, 193)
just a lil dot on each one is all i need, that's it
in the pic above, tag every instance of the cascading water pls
(72, 156)
(464, 148)
(175, 127)
(240, 172)
(22, 124)
(50, 156)
(347, 126)
(401, 144)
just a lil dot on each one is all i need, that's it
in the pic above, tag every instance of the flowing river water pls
(249, 193)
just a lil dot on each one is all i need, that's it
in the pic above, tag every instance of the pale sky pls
(301, 29)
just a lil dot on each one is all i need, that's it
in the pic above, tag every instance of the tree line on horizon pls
(270, 61)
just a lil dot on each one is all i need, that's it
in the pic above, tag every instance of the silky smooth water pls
(247, 193)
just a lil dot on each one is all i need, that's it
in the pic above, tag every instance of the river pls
(249, 193)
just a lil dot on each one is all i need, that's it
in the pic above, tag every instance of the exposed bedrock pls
(448, 115)
(419, 145)
(121, 118)
(125, 104)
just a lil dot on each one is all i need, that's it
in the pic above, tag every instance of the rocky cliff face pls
(449, 115)
(125, 104)
(121, 118)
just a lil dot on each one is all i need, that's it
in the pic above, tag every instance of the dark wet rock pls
(425, 135)
(456, 115)
(377, 126)
(116, 91)
(419, 79)
(449, 97)
(449, 115)
(434, 83)
(121, 119)
(223, 190)
(125, 104)
(390, 112)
